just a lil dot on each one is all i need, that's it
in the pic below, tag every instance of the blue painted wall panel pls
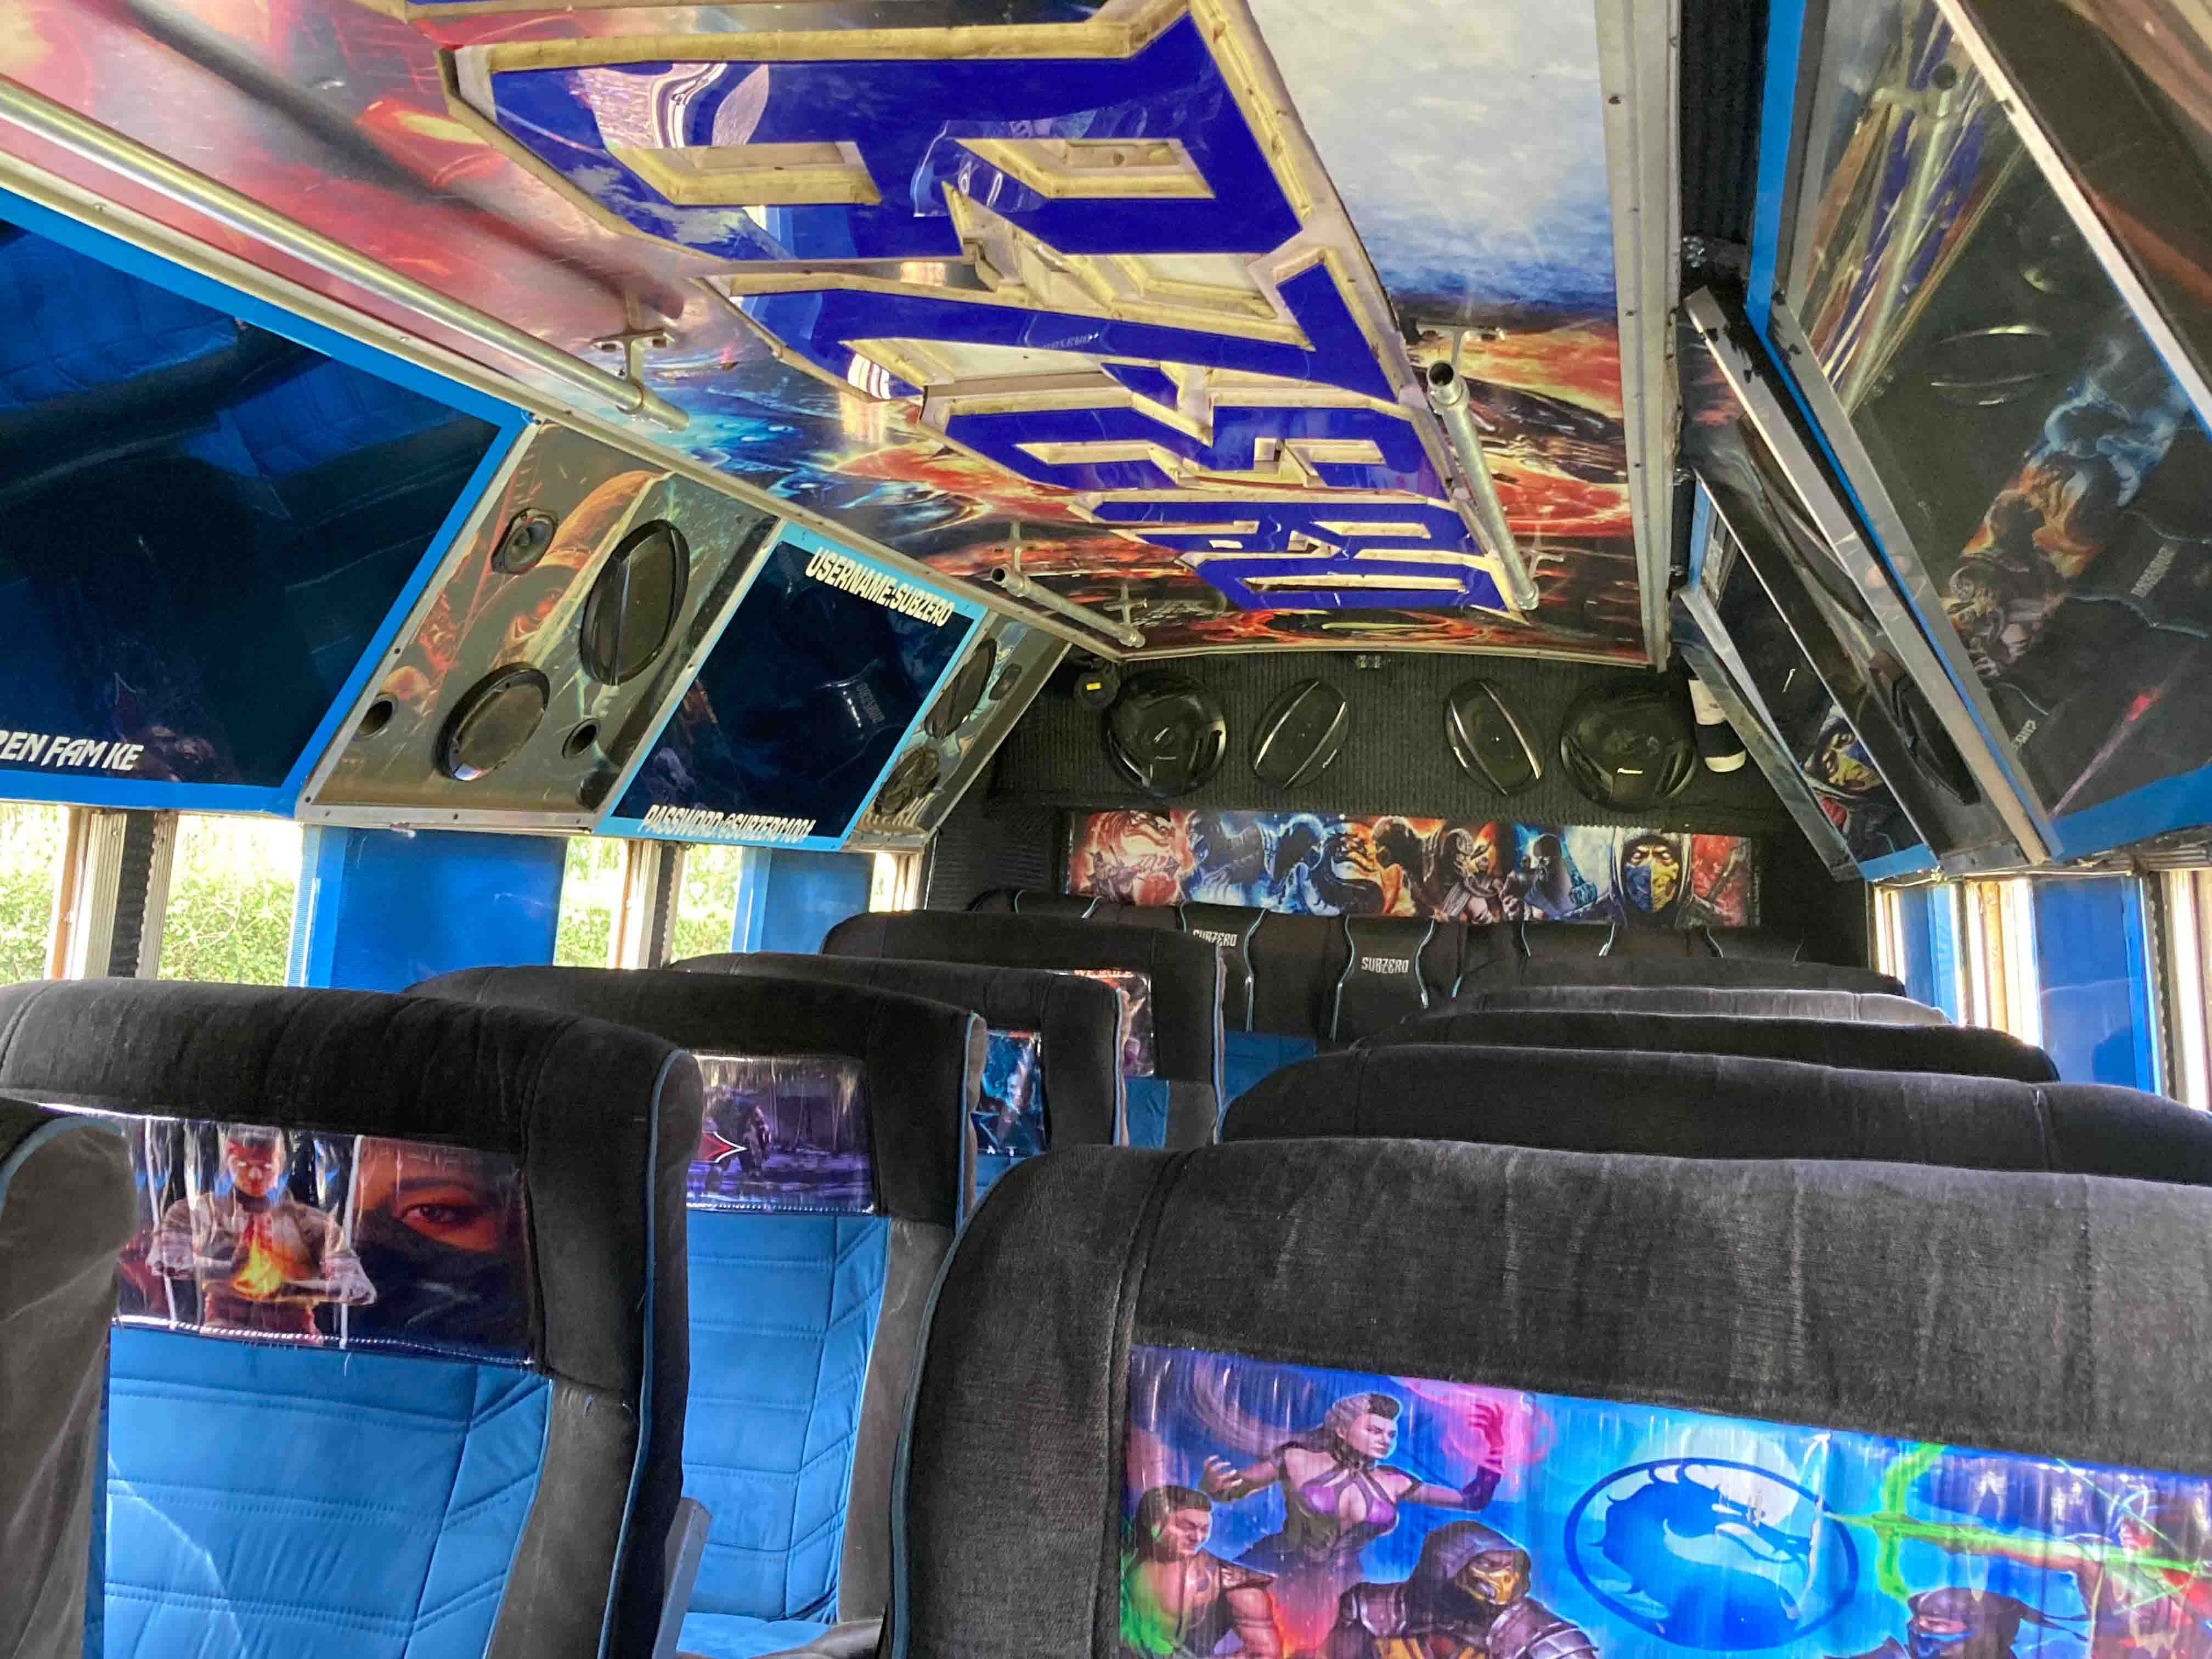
(379, 909)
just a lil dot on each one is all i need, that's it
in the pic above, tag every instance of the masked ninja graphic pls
(1650, 880)
(1957, 1623)
(1467, 1598)
(1479, 872)
(441, 1229)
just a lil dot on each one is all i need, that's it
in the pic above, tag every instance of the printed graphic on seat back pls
(1311, 1511)
(327, 1240)
(783, 1134)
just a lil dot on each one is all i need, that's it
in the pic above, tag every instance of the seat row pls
(571, 1312)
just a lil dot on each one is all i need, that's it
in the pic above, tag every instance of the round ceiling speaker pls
(910, 781)
(1301, 734)
(1487, 738)
(529, 535)
(494, 717)
(1629, 745)
(959, 699)
(635, 604)
(1165, 733)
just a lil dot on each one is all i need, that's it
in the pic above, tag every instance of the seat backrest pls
(1052, 1074)
(1727, 1106)
(1761, 1004)
(1384, 1398)
(1072, 907)
(838, 1163)
(401, 1353)
(65, 1214)
(1971, 1051)
(1382, 981)
(1174, 1092)
(1718, 972)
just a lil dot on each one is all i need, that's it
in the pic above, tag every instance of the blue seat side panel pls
(735, 1636)
(75, 323)
(266, 1502)
(1248, 1056)
(783, 1318)
(1147, 1105)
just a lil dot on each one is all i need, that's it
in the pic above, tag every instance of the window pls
(233, 883)
(706, 901)
(2185, 898)
(32, 839)
(591, 897)
(1919, 934)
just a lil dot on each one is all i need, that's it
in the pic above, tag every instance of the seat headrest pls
(1972, 1051)
(355, 1097)
(1718, 972)
(921, 1061)
(1389, 1387)
(1760, 1004)
(1185, 972)
(1726, 1106)
(1076, 1021)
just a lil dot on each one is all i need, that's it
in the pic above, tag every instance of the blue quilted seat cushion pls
(266, 1502)
(1248, 1056)
(783, 1315)
(1146, 1104)
(75, 323)
(734, 1636)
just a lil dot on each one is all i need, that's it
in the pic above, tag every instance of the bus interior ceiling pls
(1248, 629)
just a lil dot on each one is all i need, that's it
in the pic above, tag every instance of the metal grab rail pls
(37, 114)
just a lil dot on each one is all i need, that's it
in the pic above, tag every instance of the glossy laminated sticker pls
(265, 1234)
(1011, 1123)
(1476, 870)
(1291, 1511)
(1135, 990)
(785, 1135)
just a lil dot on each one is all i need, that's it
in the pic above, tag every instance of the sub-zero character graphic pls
(1179, 1600)
(1466, 1598)
(1480, 889)
(1293, 863)
(1544, 885)
(1339, 1496)
(263, 1260)
(1956, 1623)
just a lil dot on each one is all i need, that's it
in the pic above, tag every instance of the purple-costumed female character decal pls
(1339, 1494)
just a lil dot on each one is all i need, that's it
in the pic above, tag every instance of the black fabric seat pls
(1714, 973)
(806, 1303)
(1701, 1000)
(1970, 1051)
(1726, 1106)
(66, 1210)
(401, 1358)
(1536, 1375)
(1077, 1020)
(1174, 1095)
